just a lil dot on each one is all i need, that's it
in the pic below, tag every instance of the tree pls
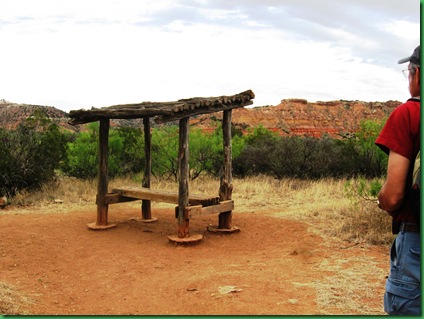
(132, 156)
(205, 153)
(165, 151)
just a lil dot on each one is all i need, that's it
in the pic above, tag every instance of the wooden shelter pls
(188, 205)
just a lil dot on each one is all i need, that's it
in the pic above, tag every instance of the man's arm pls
(393, 191)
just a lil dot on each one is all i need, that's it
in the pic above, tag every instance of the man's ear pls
(417, 76)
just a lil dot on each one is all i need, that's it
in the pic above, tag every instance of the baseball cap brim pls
(404, 60)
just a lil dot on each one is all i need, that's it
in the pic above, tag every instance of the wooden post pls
(183, 170)
(146, 211)
(226, 187)
(102, 185)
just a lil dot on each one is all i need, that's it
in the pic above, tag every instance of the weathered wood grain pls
(164, 196)
(163, 111)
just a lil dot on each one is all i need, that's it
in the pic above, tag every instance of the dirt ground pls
(53, 264)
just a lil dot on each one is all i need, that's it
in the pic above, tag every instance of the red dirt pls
(276, 265)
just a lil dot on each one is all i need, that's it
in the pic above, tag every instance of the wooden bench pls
(198, 204)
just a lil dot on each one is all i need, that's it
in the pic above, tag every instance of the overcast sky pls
(75, 54)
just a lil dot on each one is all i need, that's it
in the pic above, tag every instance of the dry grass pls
(321, 203)
(69, 190)
(12, 302)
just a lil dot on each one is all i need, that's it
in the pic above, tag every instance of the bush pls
(165, 152)
(254, 156)
(30, 154)
(259, 152)
(126, 149)
(312, 158)
(132, 156)
(373, 161)
(205, 152)
(81, 160)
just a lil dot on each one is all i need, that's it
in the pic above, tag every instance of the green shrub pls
(259, 152)
(373, 161)
(126, 149)
(312, 158)
(82, 157)
(30, 154)
(165, 152)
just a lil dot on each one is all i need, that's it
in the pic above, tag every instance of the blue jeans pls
(402, 295)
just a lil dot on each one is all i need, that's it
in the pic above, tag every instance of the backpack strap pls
(416, 178)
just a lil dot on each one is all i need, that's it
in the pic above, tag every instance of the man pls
(400, 139)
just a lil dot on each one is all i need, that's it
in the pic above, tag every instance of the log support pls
(146, 207)
(226, 186)
(102, 185)
(183, 171)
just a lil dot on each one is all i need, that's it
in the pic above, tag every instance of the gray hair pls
(413, 67)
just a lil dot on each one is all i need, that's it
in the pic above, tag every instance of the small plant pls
(366, 221)
(361, 190)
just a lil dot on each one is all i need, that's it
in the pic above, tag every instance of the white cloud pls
(404, 29)
(74, 54)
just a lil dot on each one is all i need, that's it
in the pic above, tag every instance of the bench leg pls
(225, 220)
(225, 224)
(146, 212)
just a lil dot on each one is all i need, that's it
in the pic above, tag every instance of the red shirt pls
(401, 134)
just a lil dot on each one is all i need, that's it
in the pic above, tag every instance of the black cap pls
(414, 58)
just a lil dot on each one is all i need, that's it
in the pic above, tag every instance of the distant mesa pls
(299, 117)
(294, 116)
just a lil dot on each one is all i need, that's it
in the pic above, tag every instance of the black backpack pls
(415, 188)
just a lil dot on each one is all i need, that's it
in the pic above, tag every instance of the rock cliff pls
(302, 118)
(11, 114)
(290, 117)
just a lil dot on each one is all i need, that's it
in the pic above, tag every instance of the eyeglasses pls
(406, 73)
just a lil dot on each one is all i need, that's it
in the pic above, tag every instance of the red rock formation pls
(299, 117)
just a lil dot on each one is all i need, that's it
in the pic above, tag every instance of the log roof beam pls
(163, 111)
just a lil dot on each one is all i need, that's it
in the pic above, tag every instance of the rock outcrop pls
(290, 117)
(11, 114)
(301, 118)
